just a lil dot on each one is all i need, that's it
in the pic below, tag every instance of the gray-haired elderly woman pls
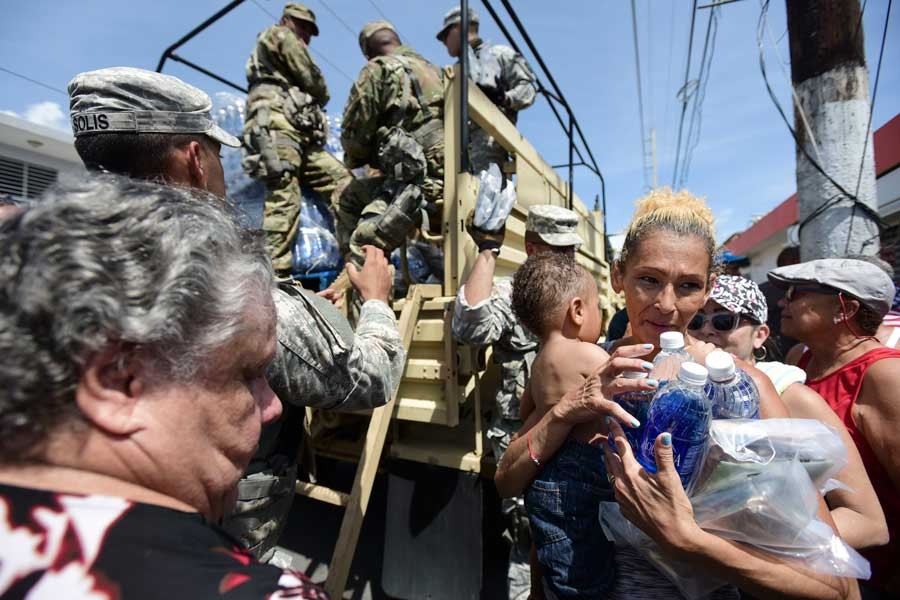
(136, 325)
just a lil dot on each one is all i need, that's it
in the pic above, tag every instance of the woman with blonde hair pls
(666, 272)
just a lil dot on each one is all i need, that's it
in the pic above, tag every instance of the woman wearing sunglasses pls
(734, 319)
(834, 307)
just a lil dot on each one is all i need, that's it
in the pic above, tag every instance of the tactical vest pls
(421, 107)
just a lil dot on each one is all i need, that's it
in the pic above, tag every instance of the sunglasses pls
(721, 321)
(792, 291)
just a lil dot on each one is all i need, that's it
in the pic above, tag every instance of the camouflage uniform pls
(492, 321)
(393, 121)
(284, 133)
(505, 76)
(519, 90)
(322, 364)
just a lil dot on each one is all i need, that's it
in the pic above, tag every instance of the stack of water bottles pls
(315, 251)
(750, 480)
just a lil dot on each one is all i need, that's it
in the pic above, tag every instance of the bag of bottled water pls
(730, 390)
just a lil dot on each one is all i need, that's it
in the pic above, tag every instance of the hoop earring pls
(760, 353)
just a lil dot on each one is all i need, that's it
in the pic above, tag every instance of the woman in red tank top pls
(834, 306)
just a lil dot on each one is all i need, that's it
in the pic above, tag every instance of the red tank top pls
(840, 390)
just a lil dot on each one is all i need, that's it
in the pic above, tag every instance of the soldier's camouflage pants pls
(315, 168)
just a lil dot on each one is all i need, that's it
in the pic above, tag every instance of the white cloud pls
(49, 114)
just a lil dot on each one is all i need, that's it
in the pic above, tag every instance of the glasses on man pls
(721, 321)
(793, 290)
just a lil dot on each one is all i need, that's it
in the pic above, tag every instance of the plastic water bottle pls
(682, 409)
(730, 390)
(637, 403)
(671, 355)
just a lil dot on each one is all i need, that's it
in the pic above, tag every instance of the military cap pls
(369, 30)
(452, 18)
(129, 100)
(301, 12)
(554, 225)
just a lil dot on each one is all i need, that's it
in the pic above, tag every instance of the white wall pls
(763, 258)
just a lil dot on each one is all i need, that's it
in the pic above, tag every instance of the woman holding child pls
(665, 272)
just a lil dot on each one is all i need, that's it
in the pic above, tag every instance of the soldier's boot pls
(387, 226)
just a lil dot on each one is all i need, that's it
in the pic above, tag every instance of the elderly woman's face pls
(665, 284)
(217, 420)
(807, 309)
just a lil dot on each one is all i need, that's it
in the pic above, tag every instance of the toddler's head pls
(552, 292)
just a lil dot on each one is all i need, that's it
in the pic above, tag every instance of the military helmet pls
(303, 13)
(369, 30)
(452, 18)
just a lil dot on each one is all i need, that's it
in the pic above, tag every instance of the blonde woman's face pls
(665, 282)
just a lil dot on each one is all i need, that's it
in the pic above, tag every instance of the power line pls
(34, 81)
(837, 198)
(709, 49)
(862, 158)
(684, 90)
(339, 18)
(378, 10)
(316, 53)
(669, 74)
(637, 66)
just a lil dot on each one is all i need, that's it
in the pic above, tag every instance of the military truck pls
(430, 437)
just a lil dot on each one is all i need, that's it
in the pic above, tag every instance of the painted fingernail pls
(647, 365)
(606, 420)
(611, 443)
(647, 346)
(652, 383)
(635, 423)
(667, 439)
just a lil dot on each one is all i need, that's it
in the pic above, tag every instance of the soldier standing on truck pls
(502, 74)
(319, 361)
(286, 128)
(483, 315)
(393, 122)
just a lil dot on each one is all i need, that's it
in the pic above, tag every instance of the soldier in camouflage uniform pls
(286, 128)
(393, 122)
(483, 315)
(320, 361)
(502, 74)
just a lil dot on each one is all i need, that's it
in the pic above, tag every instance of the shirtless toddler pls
(557, 300)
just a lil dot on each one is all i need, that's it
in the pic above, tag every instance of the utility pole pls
(828, 69)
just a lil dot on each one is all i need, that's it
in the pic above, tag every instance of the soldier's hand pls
(373, 281)
(485, 240)
(334, 296)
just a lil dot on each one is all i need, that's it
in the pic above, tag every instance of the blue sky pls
(743, 162)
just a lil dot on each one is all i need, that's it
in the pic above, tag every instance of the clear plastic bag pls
(760, 486)
(740, 448)
(490, 181)
(494, 201)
